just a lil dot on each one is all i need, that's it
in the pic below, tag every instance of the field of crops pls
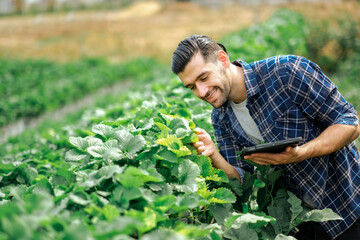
(125, 169)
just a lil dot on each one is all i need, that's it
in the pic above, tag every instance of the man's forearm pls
(330, 140)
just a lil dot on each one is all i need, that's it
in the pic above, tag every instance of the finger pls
(198, 144)
(261, 162)
(288, 149)
(260, 159)
(201, 137)
(201, 149)
(199, 130)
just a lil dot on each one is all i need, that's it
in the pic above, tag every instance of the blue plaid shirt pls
(289, 96)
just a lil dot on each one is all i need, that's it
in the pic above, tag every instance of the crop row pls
(32, 87)
(136, 177)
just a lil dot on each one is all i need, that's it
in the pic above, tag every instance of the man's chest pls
(276, 116)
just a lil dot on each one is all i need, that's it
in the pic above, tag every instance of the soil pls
(142, 29)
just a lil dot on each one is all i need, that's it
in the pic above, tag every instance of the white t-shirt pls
(246, 121)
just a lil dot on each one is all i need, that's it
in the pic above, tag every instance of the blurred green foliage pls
(284, 33)
(331, 42)
(327, 42)
(32, 87)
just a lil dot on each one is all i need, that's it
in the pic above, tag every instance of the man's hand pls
(205, 145)
(290, 155)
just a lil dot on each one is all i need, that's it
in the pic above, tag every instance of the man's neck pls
(238, 90)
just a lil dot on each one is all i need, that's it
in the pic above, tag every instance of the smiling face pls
(208, 80)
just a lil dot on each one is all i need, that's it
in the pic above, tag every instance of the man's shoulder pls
(279, 60)
(280, 63)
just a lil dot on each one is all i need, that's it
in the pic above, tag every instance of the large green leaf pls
(182, 133)
(123, 137)
(83, 143)
(129, 143)
(162, 127)
(97, 176)
(243, 230)
(79, 142)
(295, 205)
(208, 171)
(109, 151)
(135, 144)
(167, 155)
(221, 212)
(186, 173)
(254, 221)
(123, 195)
(321, 215)
(74, 155)
(222, 195)
(134, 177)
(282, 215)
(79, 199)
(103, 130)
(189, 200)
(175, 145)
(165, 203)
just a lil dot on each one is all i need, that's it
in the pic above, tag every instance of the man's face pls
(208, 80)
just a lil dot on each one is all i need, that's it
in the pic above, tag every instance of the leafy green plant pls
(138, 176)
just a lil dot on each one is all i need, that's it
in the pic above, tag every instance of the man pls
(274, 99)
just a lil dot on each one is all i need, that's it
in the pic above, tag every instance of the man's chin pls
(216, 104)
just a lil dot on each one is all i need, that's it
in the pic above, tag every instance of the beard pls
(222, 92)
(221, 99)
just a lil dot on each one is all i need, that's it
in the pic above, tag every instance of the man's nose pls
(202, 89)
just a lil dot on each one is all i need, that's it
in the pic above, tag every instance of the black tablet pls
(272, 147)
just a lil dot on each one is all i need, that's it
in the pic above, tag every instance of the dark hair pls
(191, 45)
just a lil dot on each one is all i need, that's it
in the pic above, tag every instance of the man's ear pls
(223, 58)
